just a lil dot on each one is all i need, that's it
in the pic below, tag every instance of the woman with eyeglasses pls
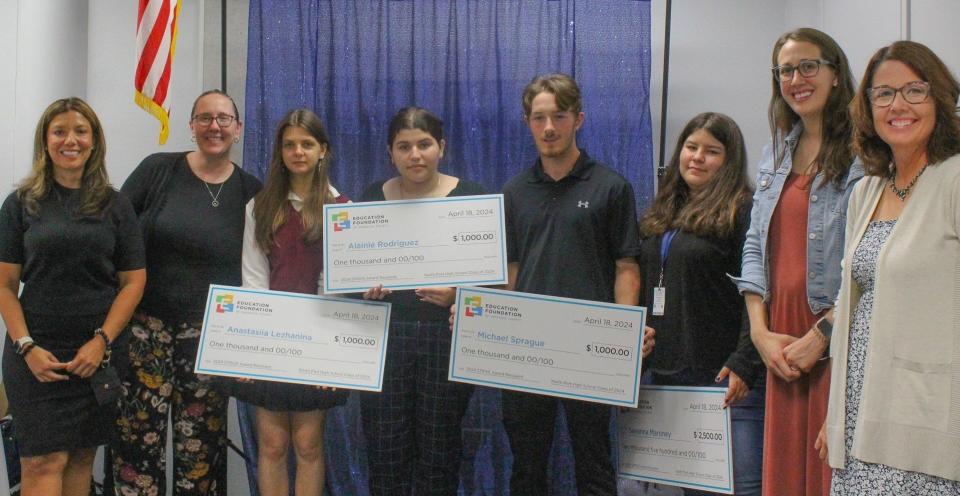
(791, 257)
(892, 425)
(692, 238)
(191, 210)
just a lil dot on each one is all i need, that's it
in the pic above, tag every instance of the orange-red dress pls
(795, 411)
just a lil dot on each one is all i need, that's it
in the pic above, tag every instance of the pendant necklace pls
(215, 198)
(903, 192)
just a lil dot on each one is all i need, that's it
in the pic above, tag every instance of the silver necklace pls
(214, 197)
(903, 192)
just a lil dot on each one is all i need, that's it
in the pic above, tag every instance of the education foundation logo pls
(225, 303)
(474, 306)
(341, 221)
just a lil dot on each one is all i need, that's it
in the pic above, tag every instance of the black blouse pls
(69, 262)
(704, 326)
(190, 244)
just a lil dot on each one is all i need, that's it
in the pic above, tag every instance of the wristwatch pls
(24, 344)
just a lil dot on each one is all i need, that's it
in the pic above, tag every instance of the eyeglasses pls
(913, 92)
(807, 67)
(223, 120)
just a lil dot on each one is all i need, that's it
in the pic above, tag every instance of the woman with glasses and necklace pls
(191, 210)
(791, 257)
(892, 424)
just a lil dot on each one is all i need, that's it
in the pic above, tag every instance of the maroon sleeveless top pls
(294, 265)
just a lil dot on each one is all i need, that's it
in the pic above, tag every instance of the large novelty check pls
(563, 347)
(403, 244)
(678, 436)
(292, 337)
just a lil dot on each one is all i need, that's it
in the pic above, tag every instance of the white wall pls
(45, 65)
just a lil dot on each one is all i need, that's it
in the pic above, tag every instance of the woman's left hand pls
(88, 358)
(736, 389)
(443, 297)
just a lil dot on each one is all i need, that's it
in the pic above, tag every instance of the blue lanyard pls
(665, 246)
(664, 250)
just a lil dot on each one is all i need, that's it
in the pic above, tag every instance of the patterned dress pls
(857, 477)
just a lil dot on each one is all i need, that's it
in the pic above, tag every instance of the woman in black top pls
(692, 239)
(191, 210)
(75, 244)
(412, 426)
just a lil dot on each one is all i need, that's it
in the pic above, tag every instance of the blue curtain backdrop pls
(356, 62)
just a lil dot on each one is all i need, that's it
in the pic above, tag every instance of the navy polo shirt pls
(567, 235)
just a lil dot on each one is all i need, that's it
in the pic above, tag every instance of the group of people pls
(838, 272)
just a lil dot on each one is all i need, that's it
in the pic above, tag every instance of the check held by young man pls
(564, 347)
(293, 337)
(408, 244)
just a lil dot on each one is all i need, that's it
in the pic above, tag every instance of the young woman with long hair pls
(692, 237)
(283, 251)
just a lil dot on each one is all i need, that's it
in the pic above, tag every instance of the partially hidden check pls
(294, 338)
(562, 347)
(678, 436)
(405, 244)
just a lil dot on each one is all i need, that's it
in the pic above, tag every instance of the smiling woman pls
(190, 206)
(888, 428)
(74, 243)
(791, 257)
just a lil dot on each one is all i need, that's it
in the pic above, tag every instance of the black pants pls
(529, 420)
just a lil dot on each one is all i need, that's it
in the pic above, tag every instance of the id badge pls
(659, 300)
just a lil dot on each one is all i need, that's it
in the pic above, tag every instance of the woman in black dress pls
(282, 251)
(75, 244)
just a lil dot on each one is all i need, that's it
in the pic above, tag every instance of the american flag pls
(156, 40)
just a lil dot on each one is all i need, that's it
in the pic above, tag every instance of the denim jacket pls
(826, 220)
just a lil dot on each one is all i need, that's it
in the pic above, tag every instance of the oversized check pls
(293, 337)
(679, 436)
(576, 349)
(406, 244)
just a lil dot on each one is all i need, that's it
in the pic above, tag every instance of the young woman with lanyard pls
(692, 239)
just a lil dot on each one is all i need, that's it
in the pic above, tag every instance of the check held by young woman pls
(293, 337)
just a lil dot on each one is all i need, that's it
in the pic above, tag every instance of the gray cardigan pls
(909, 416)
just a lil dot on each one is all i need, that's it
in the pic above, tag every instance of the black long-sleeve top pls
(704, 326)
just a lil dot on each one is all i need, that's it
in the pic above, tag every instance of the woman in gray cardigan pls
(893, 421)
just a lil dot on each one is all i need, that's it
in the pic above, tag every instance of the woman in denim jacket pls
(791, 257)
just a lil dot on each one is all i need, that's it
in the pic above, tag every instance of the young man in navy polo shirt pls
(572, 232)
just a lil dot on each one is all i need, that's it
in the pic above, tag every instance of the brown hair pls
(563, 88)
(835, 154)
(193, 110)
(944, 142)
(95, 189)
(713, 209)
(269, 208)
